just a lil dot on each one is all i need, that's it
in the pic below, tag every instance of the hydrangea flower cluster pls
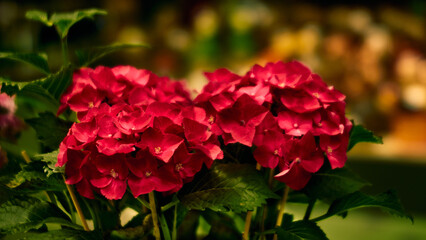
(135, 129)
(288, 113)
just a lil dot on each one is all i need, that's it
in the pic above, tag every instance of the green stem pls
(309, 209)
(317, 219)
(174, 231)
(92, 213)
(153, 208)
(64, 46)
(169, 205)
(77, 205)
(265, 207)
(164, 227)
(281, 210)
(73, 218)
(246, 233)
(144, 202)
(51, 198)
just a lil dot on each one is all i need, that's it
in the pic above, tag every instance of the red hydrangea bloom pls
(135, 129)
(305, 122)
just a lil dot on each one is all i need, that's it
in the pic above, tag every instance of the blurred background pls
(372, 51)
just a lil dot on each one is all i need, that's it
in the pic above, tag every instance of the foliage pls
(235, 187)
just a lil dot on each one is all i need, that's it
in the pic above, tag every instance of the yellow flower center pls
(157, 150)
(113, 173)
(179, 167)
(211, 119)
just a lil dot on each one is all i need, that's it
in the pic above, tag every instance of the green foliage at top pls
(235, 187)
(37, 60)
(361, 134)
(63, 21)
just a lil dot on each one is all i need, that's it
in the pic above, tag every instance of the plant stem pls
(69, 206)
(145, 204)
(247, 225)
(282, 207)
(322, 217)
(154, 215)
(308, 212)
(64, 46)
(174, 231)
(249, 215)
(92, 213)
(265, 209)
(169, 205)
(77, 206)
(164, 227)
(25, 156)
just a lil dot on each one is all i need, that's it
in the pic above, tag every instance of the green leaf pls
(38, 16)
(22, 215)
(89, 56)
(68, 234)
(387, 201)
(33, 178)
(222, 226)
(28, 174)
(50, 159)
(332, 184)
(235, 187)
(9, 87)
(361, 134)
(42, 94)
(37, 60)
(50, 129)
(57, 83)
(35, 99)
(301, 230)
(64, 21)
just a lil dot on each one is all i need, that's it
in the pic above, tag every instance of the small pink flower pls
(160, 145)
(295, 124)
(302, 157)
(241, 119)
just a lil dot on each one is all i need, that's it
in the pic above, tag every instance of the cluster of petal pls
(289, 113)
(135, 129)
